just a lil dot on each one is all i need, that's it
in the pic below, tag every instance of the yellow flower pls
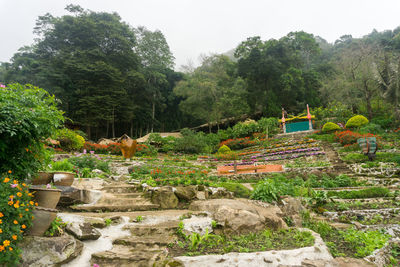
(15, 222)
(10, 248)
(23, 184)
(1, 248)
(1, 231)
(14, 237)
(16, 205)
(6, 243)
(10, 203)
(20, 215)
(15, 182)
(6, 180)
(36, 204)
(1, 221)
(23, 226)
(1, 214)
(19, 194)
(31, 203)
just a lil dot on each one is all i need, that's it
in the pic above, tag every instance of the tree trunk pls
(131, 131)
(368, 96)
(113, 123)
(153, 112)
(107, 128)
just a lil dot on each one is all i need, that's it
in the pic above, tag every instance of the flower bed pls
(15, 217)
(114, 148)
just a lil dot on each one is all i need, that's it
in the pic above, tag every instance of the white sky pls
(193, 27)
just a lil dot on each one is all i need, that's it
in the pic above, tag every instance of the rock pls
(241, 216)
(186, 193)
(350, 262)
(71, 195)
(83, 231)
(48, 251)
(220, 192)
(381, 257)
(96, 222)
(115, 219)
(165, 197)
(292, 209)
(201, 195)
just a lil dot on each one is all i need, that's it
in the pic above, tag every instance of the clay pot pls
(63, 178)
(42, 178)
(46, 198)
(41, 221)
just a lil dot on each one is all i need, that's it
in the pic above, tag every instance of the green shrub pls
(90, 162)
(28, 114)
(266, 191)
(195, 143)
(15, 218)
(224, 150)
(330, 127)
(384, 122)
(237, 189)
(62, 165)
(356, 121)
(355, 158)
(371, 128)
(69, 139)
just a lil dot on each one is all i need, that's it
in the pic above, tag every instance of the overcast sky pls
(193, 27)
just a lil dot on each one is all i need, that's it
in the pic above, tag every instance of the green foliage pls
(196, 142)
(330, 127)
(62, 165)
(238, 189)
(139, 218)
(69, 139)
(107, 221)
(28, 115)
(326, 181)
(224, 150)
(336, 112)
(15, 217)
(383, 122)
(363, 193)
(56, 228)
(266, 191)
(164, 144)
(371, 128)
(365, 242)
(91, 162)
(356, 121)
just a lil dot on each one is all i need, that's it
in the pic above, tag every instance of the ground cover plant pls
(346, 243)
(371, 192)
(196, 244)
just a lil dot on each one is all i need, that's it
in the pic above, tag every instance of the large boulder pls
(241, 215)
(292, 209)
(83, 231)
(220, 192)
(186, 193)
(71, 195)
(165, 197)
(49, 251)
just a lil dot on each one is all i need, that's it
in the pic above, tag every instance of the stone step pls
(116, 208)
(121, 189)
(143, 243)
(124, 256)
(169, 227)
(391, 188)
(129, 195)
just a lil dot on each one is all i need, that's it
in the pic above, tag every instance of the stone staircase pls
(146, 246)
(119, 197)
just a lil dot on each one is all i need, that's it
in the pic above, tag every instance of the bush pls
(69, 139)
(194, 143)
(15, 218)
(28, 115)
(62, 165)
(384, 122)
(237, 189)
(330, 127)
(91, 162)
(371, 128)
(231, 155)
(224, 150)
(356, 121)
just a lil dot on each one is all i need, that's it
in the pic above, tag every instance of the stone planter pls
(42, 178)
(41, 221)
(63, 178)
(46, 198)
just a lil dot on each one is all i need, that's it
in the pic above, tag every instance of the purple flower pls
(48, 186)
(2, 86)
(91, 152)
(84, 151)
(14, 185)
(96, 265)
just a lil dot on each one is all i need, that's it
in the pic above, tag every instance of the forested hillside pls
(112, 78)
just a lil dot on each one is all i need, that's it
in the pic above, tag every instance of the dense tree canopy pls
(112, 78)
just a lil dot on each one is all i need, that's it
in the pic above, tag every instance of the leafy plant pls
(56, 228)
(356, 121)
(69, 139)
(107, 221)
(363, 193)
(28, 115)
(15, 217)
(330, 127)
(224, 149)
(266, 191)
(90, 161)
(139, 218)
(62, 165)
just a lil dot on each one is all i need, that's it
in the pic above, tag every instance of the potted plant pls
(42, 178)
(61, 178)
(46, 196)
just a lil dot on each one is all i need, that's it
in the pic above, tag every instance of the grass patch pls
(363, 193)
(238, 190)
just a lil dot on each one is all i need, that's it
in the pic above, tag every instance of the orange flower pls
(6, 180)
(1, 214)
(23, 226)
(20, 215)
(14, 237)
(1, 221)
(6, 243)
(19, 194)
(15, 222)
(1, 248)
(15, 182)
(31, 203)
(9, 171)
(1, 231)
(36, 204)
(16, 205)
(10, 248)
(10, 203)
(23, 184)
(27, 150)
(26, 209)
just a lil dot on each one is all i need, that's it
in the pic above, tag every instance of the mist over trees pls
(112, 78)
